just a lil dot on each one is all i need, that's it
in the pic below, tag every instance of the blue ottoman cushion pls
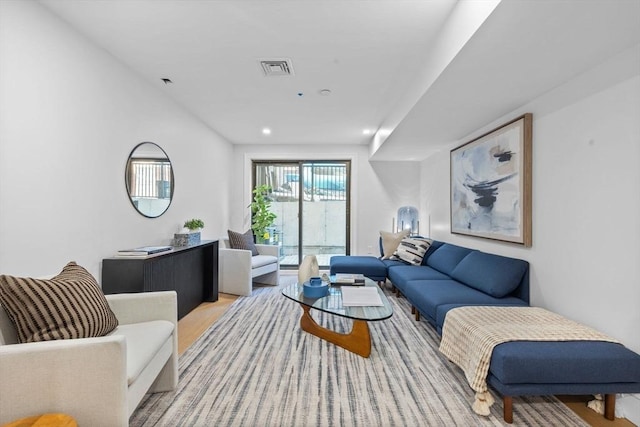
(369, 266)
(564, 362)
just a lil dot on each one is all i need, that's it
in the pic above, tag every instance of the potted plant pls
(261, 216)
(192, 237)
(194, 224)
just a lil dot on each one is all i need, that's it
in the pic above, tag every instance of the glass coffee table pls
(359, 339)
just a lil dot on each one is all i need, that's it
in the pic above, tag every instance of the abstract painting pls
(491, 184)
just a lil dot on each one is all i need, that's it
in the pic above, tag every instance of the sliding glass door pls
(311, 201)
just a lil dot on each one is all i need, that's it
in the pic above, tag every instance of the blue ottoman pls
(369, 266)
(539, 368)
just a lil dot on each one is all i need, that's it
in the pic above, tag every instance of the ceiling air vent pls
(276, 67)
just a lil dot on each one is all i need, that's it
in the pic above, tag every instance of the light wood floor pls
(191, 326)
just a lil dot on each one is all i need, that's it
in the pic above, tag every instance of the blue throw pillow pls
(492, 274)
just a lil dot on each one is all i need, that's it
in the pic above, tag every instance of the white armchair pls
(238, 269)
(97, 381)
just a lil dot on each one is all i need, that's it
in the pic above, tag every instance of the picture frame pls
(491, 184)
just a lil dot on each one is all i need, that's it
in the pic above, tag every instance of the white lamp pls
(408, 219)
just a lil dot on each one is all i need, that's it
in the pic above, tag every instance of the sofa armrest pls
(235, 271)
(235, 259)
(272, 250)
(145, 306)
(85, 378)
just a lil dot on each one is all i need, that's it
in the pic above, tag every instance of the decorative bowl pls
(315, 291)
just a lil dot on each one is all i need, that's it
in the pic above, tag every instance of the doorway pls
(311, 200)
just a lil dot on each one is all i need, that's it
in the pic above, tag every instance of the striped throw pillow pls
(411, 250)
(69, 305)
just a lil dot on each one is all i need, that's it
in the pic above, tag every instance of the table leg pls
(507, 409)
(358, 341)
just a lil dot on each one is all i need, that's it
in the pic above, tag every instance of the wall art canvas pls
(491, 184)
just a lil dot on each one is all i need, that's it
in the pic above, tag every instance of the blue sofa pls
(452, 276)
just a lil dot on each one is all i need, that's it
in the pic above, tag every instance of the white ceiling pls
(372, 54)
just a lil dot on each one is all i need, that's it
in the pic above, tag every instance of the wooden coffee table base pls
(357, 341)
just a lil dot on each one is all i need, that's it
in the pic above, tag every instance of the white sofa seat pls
(258, 261)
(144, 341)
(238, 269)
(98, 381)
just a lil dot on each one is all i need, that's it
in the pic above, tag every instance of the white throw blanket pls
(470, 333)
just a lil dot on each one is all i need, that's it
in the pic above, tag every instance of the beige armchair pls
(98, 381)
(238, 269)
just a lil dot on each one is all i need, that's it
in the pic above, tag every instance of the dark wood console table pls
(191, 271)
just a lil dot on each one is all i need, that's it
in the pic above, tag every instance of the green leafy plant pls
(261, 216)
(194, 224)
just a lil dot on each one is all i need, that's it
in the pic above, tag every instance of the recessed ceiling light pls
(366, 131)
(266, 131)
(324, 92)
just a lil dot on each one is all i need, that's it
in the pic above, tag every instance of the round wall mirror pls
(149, 179)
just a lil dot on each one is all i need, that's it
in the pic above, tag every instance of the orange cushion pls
(46, 420)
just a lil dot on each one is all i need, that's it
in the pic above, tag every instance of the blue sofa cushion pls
(435, 245)
(401, 274)
(495, 275)
(446, 257)
(393, 262)
(369, 266)
(564, 362)
(428, 295)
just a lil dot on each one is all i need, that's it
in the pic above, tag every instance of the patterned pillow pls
(70, 305)
(412, 250)
(243, 241)
(390, 242)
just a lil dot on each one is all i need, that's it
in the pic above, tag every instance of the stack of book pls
(348, 279)
(361, 297)
(143, 251)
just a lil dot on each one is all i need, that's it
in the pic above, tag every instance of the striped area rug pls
(255, 367)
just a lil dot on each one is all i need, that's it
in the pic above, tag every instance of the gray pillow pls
(243, 241)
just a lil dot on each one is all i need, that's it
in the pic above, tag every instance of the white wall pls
(69, 116)
(585, 258)
(378, 189)
(586, 184)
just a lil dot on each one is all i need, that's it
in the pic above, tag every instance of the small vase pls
(308, 268)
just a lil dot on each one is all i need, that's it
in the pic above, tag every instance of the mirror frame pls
(127, 179)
